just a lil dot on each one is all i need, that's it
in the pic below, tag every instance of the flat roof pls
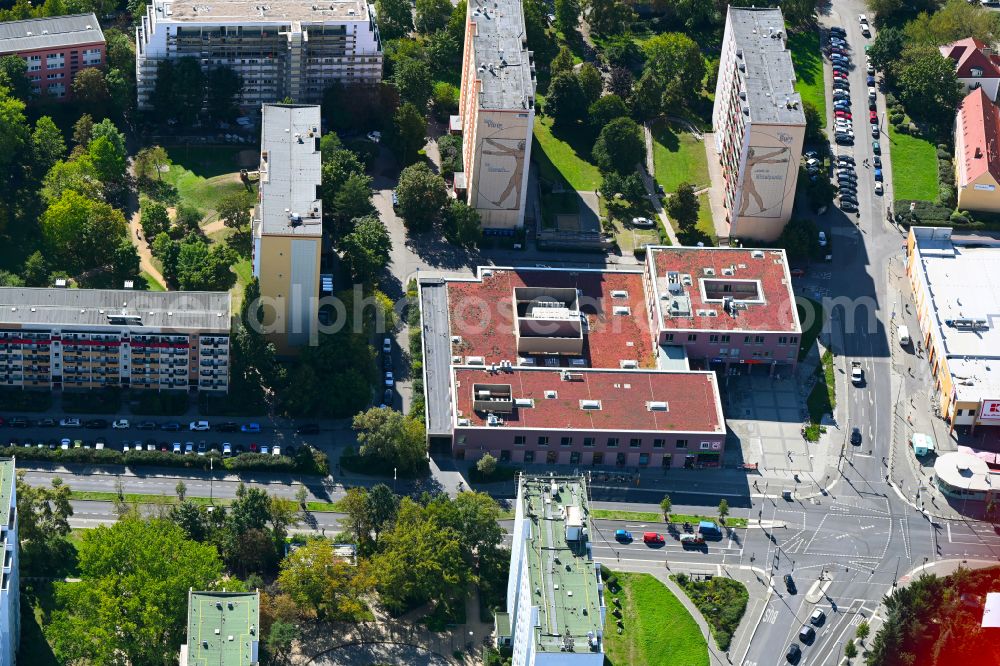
(501, 55)
(254, 11)
(593, 399)
(47, 33)
(224, 621)
(7, 475)
(991, 610)
(963, 471)
(481, 314)
(769, 79)
(49, 306)
(960, 275)
(290, 171)
(569, 610)
(695, 279)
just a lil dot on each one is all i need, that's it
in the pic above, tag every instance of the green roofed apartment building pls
(10, 597)
(223, 629)
(555, 596)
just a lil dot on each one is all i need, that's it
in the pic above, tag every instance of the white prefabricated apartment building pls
(281, 48)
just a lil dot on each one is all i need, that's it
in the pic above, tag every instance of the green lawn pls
(565, 155)
(643, 516)
(705, 223)
(152, 284)
(139, 498)
(202, 176)
(657, 629)
(244, 273)
(721, 601)
(822, 399)
(914, 167)
(678, 156)
(808, 61)
(676, 518)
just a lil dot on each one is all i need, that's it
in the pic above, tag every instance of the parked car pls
(264, 449)
(18, 422)
(797, 272)
(227, 449)
(120, 424)
(642, 222)
(64, 444)
(176, 447)
(100, 443)
(879, 190)
(201, 448)
(877, 162)
(171, 426)
(188, 448)
(70, 423)
(848, 207)
(307, 429)
(387, 398)
(96, 424)
(227, 426)
(146, 425)
(250, 427)
(846, 159)
(253, 447)
(876, 148)
(276, 451)
(395, 200)
(389, 380)
(43, 423)
(199, 426)
(692, 540)
(623, 536)
(822, 239)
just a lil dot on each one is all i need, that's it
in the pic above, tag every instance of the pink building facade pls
(55, 49)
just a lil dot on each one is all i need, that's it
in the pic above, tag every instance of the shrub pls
(890, 99)
(902, 128)
(958, 218)
(896, 118)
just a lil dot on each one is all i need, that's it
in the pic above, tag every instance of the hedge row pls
(931, 214)
(307, 461)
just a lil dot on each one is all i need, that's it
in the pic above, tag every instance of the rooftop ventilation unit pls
(526, 403)
(619, 293)
(475, 360)
(709, 271)
(551, 395)
(657, 406)
(621, 310)
(629, 364)
(590, 404)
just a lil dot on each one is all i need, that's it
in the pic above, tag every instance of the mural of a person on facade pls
(512, 151)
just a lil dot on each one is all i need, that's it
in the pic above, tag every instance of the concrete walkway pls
(717, 190)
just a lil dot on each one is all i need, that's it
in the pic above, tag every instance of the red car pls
(253, 447)
(843, 114)
(873, 116)
(652, 539)
(797, 272)
(840, 75)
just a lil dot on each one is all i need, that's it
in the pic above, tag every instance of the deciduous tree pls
(90, 91)
(222, 94)
(82, 233)
(47, 146)
(567, 16)
(606, 109)
(150, 162)
(620, 146)
(683, 207)
(422, 197)
(431, 15)
(462, 225)
(14, 77)
(609, 17)
(320, 580)
(565, 101)
(591, 82)
(395, 18)
(131, 605)
(154, 219)
(927, 84)
(389, 436)
(409, 132)
(235, 210)
(366, 248)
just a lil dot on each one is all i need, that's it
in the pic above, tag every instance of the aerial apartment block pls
(93, 338)
(10, 596)
(953, 279)
(223, 629)
(555, 596)
(496, 114)
(288, 222)
(758, 122)
(281, 48)
(55, 48)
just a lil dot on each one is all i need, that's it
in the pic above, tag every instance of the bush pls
(902, 128)
(722, 602)
(958, 218)
(352, 461)
(896, 118)
(890, 99)
(17, 400)
(942, 154)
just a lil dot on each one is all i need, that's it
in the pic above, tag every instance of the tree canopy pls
(620, 146)
(366, 248)
(387, 435)
(422, 196)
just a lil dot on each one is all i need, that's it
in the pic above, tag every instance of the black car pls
(846, 158)
(171, 426)
(877, 162)
(95, 424)
(794, 654)
(387, 397)
(307, 429)
(872, 106)
(848, 199)
(227, 426)
(47, 423)
(146, 425)
(848, 207)
(18, 422)
(807, 634)
(790, 584)
(856, 436)
(845, 140)
(240, 448)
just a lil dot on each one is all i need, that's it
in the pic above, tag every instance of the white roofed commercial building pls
(282, 48)
(954, 280)
(758, 122)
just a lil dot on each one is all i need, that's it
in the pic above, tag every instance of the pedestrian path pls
(145, 255)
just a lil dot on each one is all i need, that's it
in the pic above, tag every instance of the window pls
(977, 71)
(783, 340)
(574, 458)
(669, 337)
(543, 441)
(667, 460)
(713, 338)
(529, 456)
(692, 337)
(612, 442)
(659, 443)
(747, 339)
(705, 445)
(566, 441)
(759, 340)
(725, 339)
(634, 443)
(620, 459)
(588, 441)
(643, 458)
(794, 340)
(682, 443)
(519, 440)
(550, 457)
(598, 458)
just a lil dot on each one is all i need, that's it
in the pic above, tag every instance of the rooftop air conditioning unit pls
(619, 293)
(656, 406)
(629, 364)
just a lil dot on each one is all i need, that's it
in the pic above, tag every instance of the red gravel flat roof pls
(777, 313)
(692, 399)
(481, 313)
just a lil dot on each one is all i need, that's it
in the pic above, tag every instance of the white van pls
(903, 335)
